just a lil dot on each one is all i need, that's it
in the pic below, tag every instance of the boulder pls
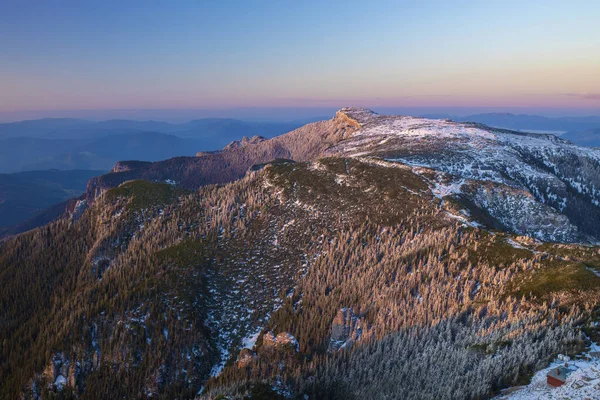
(58, 366)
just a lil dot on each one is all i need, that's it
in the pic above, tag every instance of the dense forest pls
(351, 277)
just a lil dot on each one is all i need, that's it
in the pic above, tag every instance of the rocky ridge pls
(532, 184)
(553, 183)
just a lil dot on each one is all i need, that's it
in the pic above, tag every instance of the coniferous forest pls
(340, 278)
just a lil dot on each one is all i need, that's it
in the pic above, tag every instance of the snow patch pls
(249, 341)
(60, 382)
(441, 190)
(583, 383)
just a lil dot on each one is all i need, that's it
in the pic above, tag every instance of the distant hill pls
(41, 127)
(24, 195)
(78, 144)
(523, 122)
(102, 153)
(60, 128)
(23, 154)
(589, 137)
(15, 153)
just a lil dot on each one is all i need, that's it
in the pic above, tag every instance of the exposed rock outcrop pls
(61, 372)
(282, 340)
(245, 357)
(79, 209)
(347, 329)
(125, 166)
(58, 366)
(236, 144)
(65, 371)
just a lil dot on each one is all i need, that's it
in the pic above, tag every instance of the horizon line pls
(14, 116)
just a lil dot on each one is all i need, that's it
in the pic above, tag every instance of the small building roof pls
(560, 373)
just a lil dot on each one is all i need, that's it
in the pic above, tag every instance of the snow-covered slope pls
(583, 383)
(533, 175)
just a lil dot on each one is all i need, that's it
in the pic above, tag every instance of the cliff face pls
(125, 166)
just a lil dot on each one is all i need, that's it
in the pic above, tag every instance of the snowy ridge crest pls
(563, 177)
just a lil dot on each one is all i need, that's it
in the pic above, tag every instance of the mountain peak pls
(355, 115)
(244, 141)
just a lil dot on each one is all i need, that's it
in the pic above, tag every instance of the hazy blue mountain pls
(59, 128)
(25, 194)
(68, 128)
(17, 152)
(589, 137)
(103, 152)
(79, 144)
(437, 116)
(233, 129)
(523, 122)
(533, 122)
(41, 127)
(21, 154)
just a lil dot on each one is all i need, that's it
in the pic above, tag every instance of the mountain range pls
(365, 256)
(524, 122)
(26, 196)
(69, 128)
(588, 137)
(80, 144)
(552, 182)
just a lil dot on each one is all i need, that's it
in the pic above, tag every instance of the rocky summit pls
(533, 184)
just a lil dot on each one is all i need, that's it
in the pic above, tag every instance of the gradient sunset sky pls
(67, 55)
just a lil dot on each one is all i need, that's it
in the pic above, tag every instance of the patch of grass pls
(185, 253)
(391, 178)
(144, 194)
(356, 190)
(588, 255)
(495, 250)
(323, 181)
(560, 276)
(277, 161)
